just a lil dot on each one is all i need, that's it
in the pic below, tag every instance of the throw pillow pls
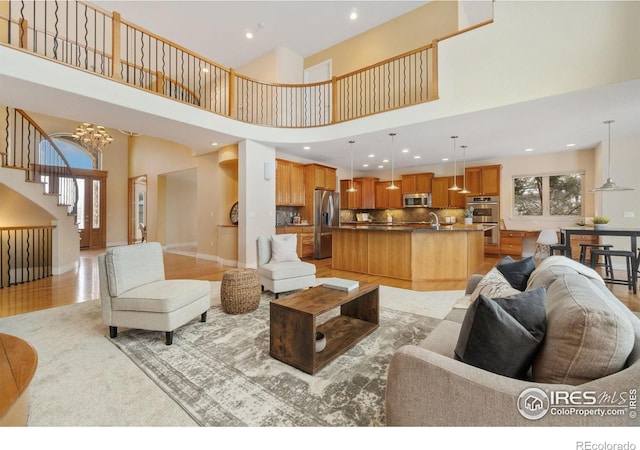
(493, 285)
(517, 272)
(283, 248)
(502, 335)
(588, 336)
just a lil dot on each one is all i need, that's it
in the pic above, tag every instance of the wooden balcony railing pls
(25, 254)
(25, 146)
(94, 40)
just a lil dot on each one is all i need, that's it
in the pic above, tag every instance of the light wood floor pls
(82, 284)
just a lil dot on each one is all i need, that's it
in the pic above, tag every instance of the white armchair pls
(135, 294)
(279, 267)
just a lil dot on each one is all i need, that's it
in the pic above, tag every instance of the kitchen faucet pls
(437, 224)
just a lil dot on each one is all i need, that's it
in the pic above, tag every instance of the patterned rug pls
(221, 374)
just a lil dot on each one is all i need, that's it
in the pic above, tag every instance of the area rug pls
(221, 374)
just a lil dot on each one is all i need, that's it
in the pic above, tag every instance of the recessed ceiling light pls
(445, 159)
(385, 160)
(248, 35)
(406, 150)
(213, 144)
(353, 15)
(372, 156)
(417, 157)
(381, 167)
(528, 149)
(571, 145)
(365, 165)
(306, 147)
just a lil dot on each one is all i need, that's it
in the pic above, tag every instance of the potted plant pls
(468, 215)
(600, 222)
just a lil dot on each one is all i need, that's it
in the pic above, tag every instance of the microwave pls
(416, 200)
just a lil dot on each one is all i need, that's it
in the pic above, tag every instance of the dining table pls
(631, 233)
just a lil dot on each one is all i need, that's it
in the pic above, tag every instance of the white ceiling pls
(216, 29)
(546, 125)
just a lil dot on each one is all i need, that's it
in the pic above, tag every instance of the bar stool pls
(560, 248)
(605, 264)
(630, 258)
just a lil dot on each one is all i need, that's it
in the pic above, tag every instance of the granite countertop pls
(380, 227)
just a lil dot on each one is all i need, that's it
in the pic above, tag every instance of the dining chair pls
(546, 239)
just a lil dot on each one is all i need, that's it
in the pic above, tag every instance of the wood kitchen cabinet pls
(483, 180)
(442, 197)
(363, 198)
(320, 177)
(316, 176)
(511, 242)
(350, 200)
(290, 188)
(417, 183)
(386, 198)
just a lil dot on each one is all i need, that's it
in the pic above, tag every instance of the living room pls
(137, 150)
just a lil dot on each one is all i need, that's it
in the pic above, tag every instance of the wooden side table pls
(18, 362)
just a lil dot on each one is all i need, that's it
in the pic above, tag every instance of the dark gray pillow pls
(517, 273)
(503, 335)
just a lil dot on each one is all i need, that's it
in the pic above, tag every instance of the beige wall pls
(280, 65)
(17, 210)
(4, 27)
(402, 34)
(114, 161)
(159, 159)
(181, 204)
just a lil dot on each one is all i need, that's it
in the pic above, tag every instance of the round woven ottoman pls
(240, 291)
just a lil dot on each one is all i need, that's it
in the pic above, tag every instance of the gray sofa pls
(588, 361)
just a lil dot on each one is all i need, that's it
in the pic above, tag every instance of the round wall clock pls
(233, 214)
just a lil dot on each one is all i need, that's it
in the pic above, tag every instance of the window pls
(558, 195)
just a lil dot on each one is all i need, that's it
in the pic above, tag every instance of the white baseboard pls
(64, 269)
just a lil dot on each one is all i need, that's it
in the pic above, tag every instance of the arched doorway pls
(92, 191)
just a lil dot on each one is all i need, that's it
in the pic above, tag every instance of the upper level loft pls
(531, 59)
(88, 38)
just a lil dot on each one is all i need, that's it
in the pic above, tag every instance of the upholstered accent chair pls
(135, 294)
(279, 267)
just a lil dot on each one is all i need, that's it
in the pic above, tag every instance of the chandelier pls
(92, 137)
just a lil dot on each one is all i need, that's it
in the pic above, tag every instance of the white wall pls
(256, 197)
(625, 153)
(474, 12)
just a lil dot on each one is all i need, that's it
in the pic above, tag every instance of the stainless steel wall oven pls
(486, 212)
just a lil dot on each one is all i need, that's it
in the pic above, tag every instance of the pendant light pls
(351, 188)
(392, 186)
(464, 171)
(455, 187)
(610, 185)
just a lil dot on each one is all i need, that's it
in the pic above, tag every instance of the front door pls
(92, 206)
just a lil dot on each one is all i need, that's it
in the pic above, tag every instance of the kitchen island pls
(452, 252)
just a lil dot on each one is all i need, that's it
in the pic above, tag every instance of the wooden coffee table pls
(293, 324)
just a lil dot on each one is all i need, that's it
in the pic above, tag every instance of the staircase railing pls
(91, 39)
(25, 254)
(27, 147)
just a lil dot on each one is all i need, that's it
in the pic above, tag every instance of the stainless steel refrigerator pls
(327, 215)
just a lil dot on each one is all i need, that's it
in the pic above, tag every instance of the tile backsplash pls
(403, 215)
